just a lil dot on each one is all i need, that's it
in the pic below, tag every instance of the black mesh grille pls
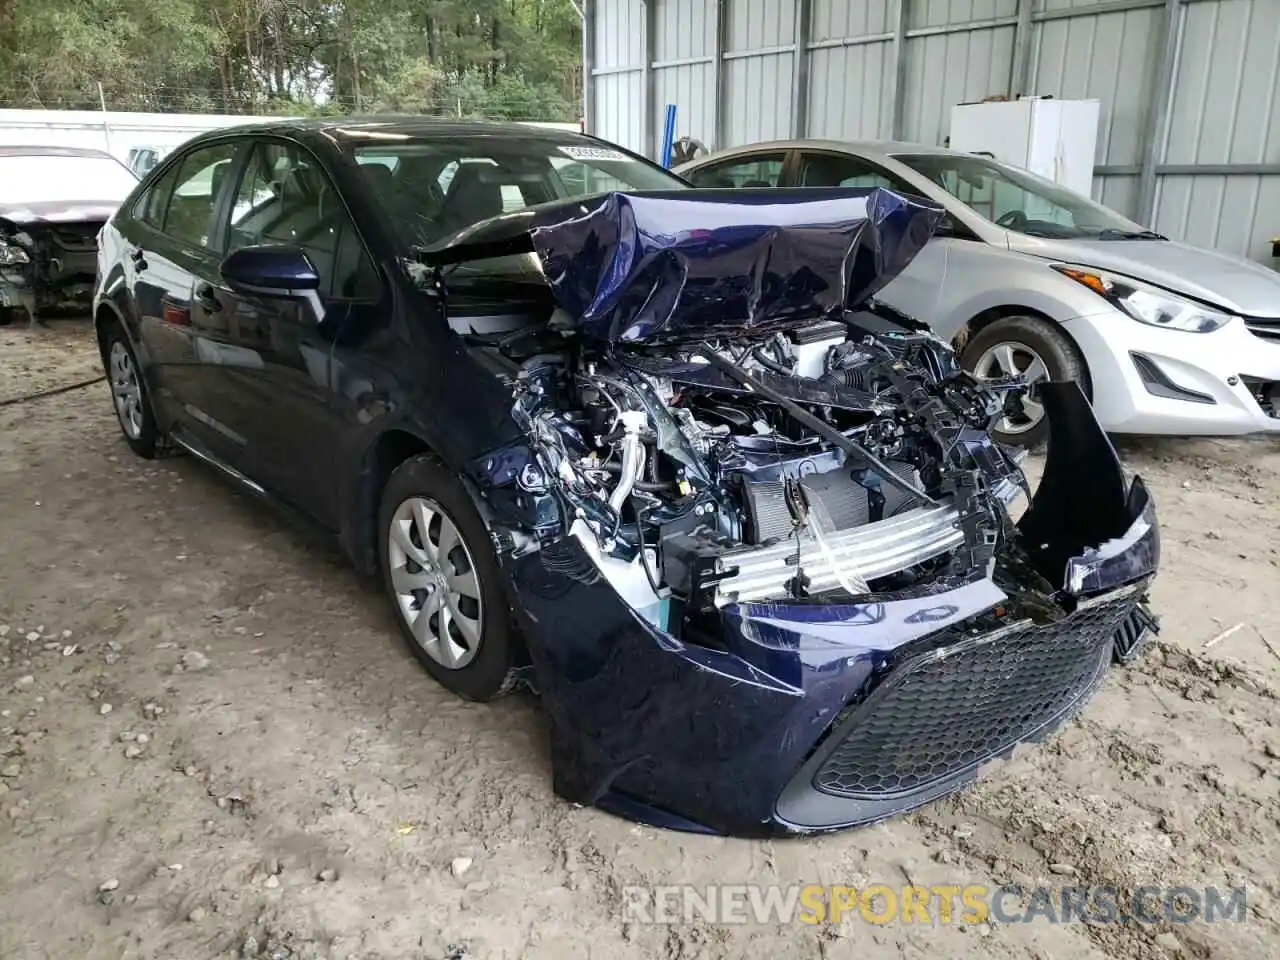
(954, 708)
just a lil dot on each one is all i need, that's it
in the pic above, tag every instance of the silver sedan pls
(1026, 276)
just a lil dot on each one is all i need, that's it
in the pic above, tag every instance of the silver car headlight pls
(1146, 303)
(11, 255)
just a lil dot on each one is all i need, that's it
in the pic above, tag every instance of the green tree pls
(502, 58)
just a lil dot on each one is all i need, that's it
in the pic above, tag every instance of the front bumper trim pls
(901, 746)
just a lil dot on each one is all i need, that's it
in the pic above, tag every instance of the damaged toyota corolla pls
(660, 455)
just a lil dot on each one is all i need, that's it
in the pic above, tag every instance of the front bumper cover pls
(730, 734)
(1168, 382)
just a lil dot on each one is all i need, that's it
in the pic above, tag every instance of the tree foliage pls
(516, 59)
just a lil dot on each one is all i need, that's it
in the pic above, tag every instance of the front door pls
(267, 359)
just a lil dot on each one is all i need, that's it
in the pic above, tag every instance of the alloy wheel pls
(434, 580)
(127, 390)
(1007, 359)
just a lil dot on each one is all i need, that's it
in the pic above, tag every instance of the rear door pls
(918, 289)
(171, 238)
(266, 359)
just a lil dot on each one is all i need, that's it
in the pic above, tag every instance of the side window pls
(150, 207)
(284, 197)
(832, 170)
(762, 170)
(188, 215)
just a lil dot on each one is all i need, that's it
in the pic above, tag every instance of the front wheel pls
(1031, 347)
(444, 582)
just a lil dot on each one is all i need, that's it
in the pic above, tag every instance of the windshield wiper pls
(1112, 234)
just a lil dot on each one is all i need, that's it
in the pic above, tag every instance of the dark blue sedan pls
(658, 454)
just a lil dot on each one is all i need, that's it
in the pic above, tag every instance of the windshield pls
(57, 179)
(431, 189)
(1020, 200)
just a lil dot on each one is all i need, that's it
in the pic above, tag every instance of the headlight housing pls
(11, 255)
(1146, 303)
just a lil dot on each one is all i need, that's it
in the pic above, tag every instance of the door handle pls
(139, 258)
(205, 297)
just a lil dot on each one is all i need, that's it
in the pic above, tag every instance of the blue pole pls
(669, 135)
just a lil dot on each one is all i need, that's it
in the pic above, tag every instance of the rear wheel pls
(130, 397)
(1031, 347)
(444, 583)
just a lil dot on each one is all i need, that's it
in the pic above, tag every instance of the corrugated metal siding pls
(1224, 109)
(947, 13)
(683, 33)
(620, 47)
(758, 86)
(950, 68)
(849, 76)
(1107, 57)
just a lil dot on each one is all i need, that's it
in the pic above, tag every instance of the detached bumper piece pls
(1134, 633)
(939, 715)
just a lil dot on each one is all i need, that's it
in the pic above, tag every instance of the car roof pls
(868, 148)
(36, 150)
(370, 129)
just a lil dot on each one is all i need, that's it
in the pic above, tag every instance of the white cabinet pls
(1055, 138)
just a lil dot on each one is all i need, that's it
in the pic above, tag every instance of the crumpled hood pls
(685, 265)
(1237, 285)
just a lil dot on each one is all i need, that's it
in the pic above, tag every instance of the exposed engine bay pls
(764, 432)
(817, 463)
(47, 264)
(745, 504)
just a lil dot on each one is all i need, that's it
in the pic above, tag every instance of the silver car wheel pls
(1007, 359)
(435, 584)
(126, 390)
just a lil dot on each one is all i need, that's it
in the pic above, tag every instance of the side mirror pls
(947, 227)
(271, 270)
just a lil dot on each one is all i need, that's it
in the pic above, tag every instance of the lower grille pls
(952, 709)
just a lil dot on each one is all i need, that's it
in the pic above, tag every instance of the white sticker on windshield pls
(585, 154)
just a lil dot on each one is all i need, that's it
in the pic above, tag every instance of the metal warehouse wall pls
(1190, 138)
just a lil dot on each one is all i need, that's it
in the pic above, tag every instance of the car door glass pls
(150, 207)
(759, 170)
(836, 170)
(284, 197)
(188, 216)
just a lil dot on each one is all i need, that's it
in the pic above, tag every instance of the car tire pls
(1027, 338)
(134, 415)
(447, 596)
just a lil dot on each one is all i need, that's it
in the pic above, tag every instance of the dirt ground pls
(212, 734)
